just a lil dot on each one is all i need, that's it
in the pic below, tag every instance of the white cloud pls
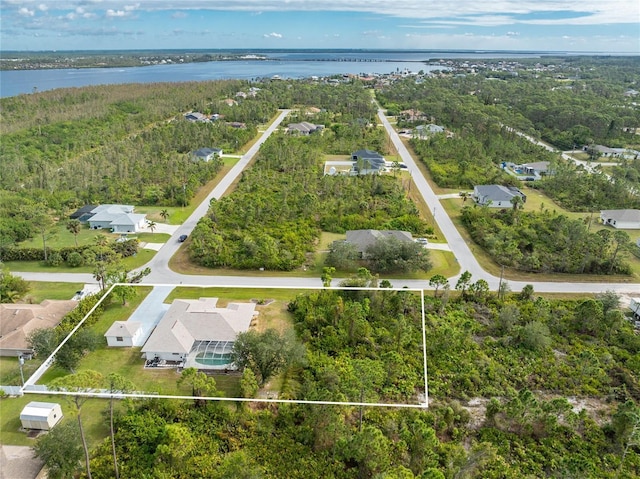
(179, 15)
(272, 35)
(42, 7)
(25, 12)
(115, 13)
(588, 12)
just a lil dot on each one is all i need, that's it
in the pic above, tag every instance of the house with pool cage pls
(197, 333)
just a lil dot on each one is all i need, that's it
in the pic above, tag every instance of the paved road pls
(461, 249)
(161, 274)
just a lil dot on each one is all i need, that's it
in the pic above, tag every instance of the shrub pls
(75, 259)
(54, 259)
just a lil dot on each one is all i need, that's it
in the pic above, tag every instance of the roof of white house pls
(129, 219)
(37, 409)
(622, 215)
(126, 329)
(496, 192)
(365, 238)
(113, 209)
(537, 165)
(188, 321)
(431, 128)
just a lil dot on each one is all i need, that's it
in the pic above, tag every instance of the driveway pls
(150, 311)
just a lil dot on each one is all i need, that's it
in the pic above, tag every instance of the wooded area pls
(366, 346)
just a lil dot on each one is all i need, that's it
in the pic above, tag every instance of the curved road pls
(161, 274)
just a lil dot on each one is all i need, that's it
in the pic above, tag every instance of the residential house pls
(496, 196)
(621, 219)
(18, 321)
(304, 128)
(40, 415)
(198, 333)
(123, 333)
(527, 171)
(241, 94)
(118, 218)
(237, 124)
(368, 162)
(362, 239)
(83, 214)
(339, 167)
(424, 131)
(412, 115)
(206, 154)
(195, 116)
(229, 102)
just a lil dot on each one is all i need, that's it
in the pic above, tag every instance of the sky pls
(519, 25)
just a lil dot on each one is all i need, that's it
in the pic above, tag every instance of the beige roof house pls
(190, 323)
(17, 321)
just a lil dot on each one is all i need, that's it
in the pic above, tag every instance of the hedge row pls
(125, 248)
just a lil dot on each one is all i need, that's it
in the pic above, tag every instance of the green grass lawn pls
(39, 291)
(92, 417)
(152, 237)
(236, 294)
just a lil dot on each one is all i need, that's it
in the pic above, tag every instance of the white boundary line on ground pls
(108, 395)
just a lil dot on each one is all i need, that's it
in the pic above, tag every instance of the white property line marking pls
(108, 395)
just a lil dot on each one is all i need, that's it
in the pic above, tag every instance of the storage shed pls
(40, 415)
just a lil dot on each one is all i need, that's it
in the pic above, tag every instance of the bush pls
(54, 259)
(75, 259)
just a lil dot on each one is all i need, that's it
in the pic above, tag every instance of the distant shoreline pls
(80, 59)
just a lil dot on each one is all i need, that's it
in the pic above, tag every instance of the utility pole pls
(21, 363)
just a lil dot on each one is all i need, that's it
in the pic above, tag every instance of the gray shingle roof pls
(362, 239)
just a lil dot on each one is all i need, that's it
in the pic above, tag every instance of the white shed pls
(123, 333)
(40, 415)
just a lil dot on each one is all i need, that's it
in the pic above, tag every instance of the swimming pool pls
(213, 359)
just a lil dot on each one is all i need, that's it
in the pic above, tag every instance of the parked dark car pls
(182, 238)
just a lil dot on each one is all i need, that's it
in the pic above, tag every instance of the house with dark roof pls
(83, 214)
(206, 154)
(198, 333)
(621, 219)
(362, 239)
(368, 162)
(195, 116)
(496, 196)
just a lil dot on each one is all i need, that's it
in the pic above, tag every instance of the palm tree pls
(164, 214)
(152, 225)
(74, 226)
